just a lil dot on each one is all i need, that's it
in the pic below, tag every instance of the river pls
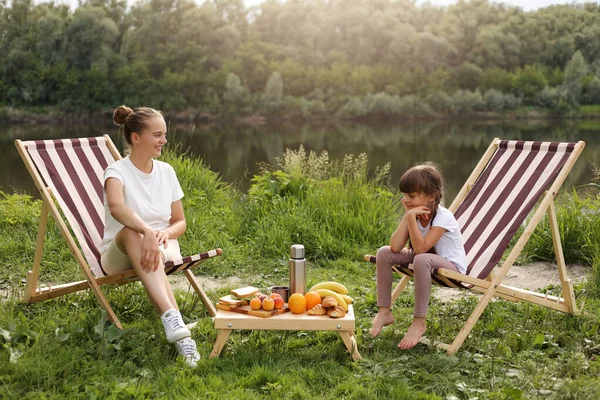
(235, 151)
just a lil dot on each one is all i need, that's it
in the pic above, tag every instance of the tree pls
(273, 93)
(575, 71)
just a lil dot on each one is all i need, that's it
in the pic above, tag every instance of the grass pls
(64, 348)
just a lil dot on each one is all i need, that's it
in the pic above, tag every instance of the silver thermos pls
(297, 270)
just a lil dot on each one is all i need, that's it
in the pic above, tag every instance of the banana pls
(326, 292)
(348, 299)
(333, 286)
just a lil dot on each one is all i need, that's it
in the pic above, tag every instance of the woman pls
(144, 217)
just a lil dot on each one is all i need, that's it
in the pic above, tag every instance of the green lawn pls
(64, 348)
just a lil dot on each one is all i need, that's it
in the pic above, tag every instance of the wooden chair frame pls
(492, 285)
(34, 294)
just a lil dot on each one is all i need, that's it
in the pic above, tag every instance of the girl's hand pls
(150, 253)
(163, 237)
(420, 212)
(403, 202)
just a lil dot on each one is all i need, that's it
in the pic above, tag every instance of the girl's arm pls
(123, 214)
(422, 244)
(400, 236)
(177, 227)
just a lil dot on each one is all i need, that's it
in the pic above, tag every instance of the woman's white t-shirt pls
(148, 195)
(450, 246)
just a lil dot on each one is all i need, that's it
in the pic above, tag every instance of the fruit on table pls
(279, 303)
(347, 299)
(275, 295)
(268, 304)
(255, 303)
(312, 299)
(326, 292)
(297, 303)
(333, 286)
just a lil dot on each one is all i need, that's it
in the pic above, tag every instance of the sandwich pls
(240, 296)
(245, 293)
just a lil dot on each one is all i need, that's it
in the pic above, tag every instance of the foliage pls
(221, 57)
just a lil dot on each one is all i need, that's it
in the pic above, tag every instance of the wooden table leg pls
(220, 342)
(350, 342)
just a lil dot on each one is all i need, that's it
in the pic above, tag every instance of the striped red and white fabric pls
(504, 194)
(74, 169)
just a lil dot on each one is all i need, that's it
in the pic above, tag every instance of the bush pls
(440, 102)
(555, 99)
(579, 226)
(352, 109)
(494, 100)
(332, 207)
(464, 102)
(591, 93)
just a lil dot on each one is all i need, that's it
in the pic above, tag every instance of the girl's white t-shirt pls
(148, 195)
(450, 246)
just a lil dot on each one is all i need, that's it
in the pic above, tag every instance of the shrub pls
(465, 102)
(579, 226)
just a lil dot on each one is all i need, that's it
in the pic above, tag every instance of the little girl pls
(426, 226)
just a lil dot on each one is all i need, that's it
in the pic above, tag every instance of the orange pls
(312, 299)
(297, 303)
(255, 303)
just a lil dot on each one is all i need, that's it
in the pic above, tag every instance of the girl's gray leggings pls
(423, 264)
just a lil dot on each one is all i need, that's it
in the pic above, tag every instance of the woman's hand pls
(163, 237)
(150, 253)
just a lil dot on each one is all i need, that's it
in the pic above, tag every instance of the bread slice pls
(231, 300)
(247, 292)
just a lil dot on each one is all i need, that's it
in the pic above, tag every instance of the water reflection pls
(235, 151)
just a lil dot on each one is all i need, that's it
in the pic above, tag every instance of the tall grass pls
(579, 225)
(339, 209)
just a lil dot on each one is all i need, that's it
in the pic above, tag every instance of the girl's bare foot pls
(381, 319)
(412, 337)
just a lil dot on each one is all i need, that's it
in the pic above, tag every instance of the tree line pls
(343, 58)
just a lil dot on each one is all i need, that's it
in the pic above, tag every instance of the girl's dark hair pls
(423, 178)
(133, 120)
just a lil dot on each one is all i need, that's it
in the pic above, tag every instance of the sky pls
(527, 5)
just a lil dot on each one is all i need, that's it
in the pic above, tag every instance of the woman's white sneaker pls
(187, 348)
(175, 328)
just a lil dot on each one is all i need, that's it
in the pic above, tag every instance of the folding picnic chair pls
(70, 171)
(502, 190)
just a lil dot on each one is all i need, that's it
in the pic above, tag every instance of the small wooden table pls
(226, 321)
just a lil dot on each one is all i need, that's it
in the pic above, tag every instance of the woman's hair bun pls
(120, 114)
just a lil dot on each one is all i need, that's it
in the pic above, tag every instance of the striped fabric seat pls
(73, 169)
(502, 197)
(69, 173)
(514, 179)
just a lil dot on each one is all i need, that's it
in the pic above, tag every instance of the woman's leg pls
(423, 265)
(386, 258)
(155, 282)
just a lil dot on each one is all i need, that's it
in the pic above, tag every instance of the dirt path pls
(531, 276)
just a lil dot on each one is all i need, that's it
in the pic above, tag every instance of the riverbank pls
(45, 115)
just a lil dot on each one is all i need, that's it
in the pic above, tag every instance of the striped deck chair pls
(70, 171)
(503, 189)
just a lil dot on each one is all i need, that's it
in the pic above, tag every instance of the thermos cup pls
(297, 269)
